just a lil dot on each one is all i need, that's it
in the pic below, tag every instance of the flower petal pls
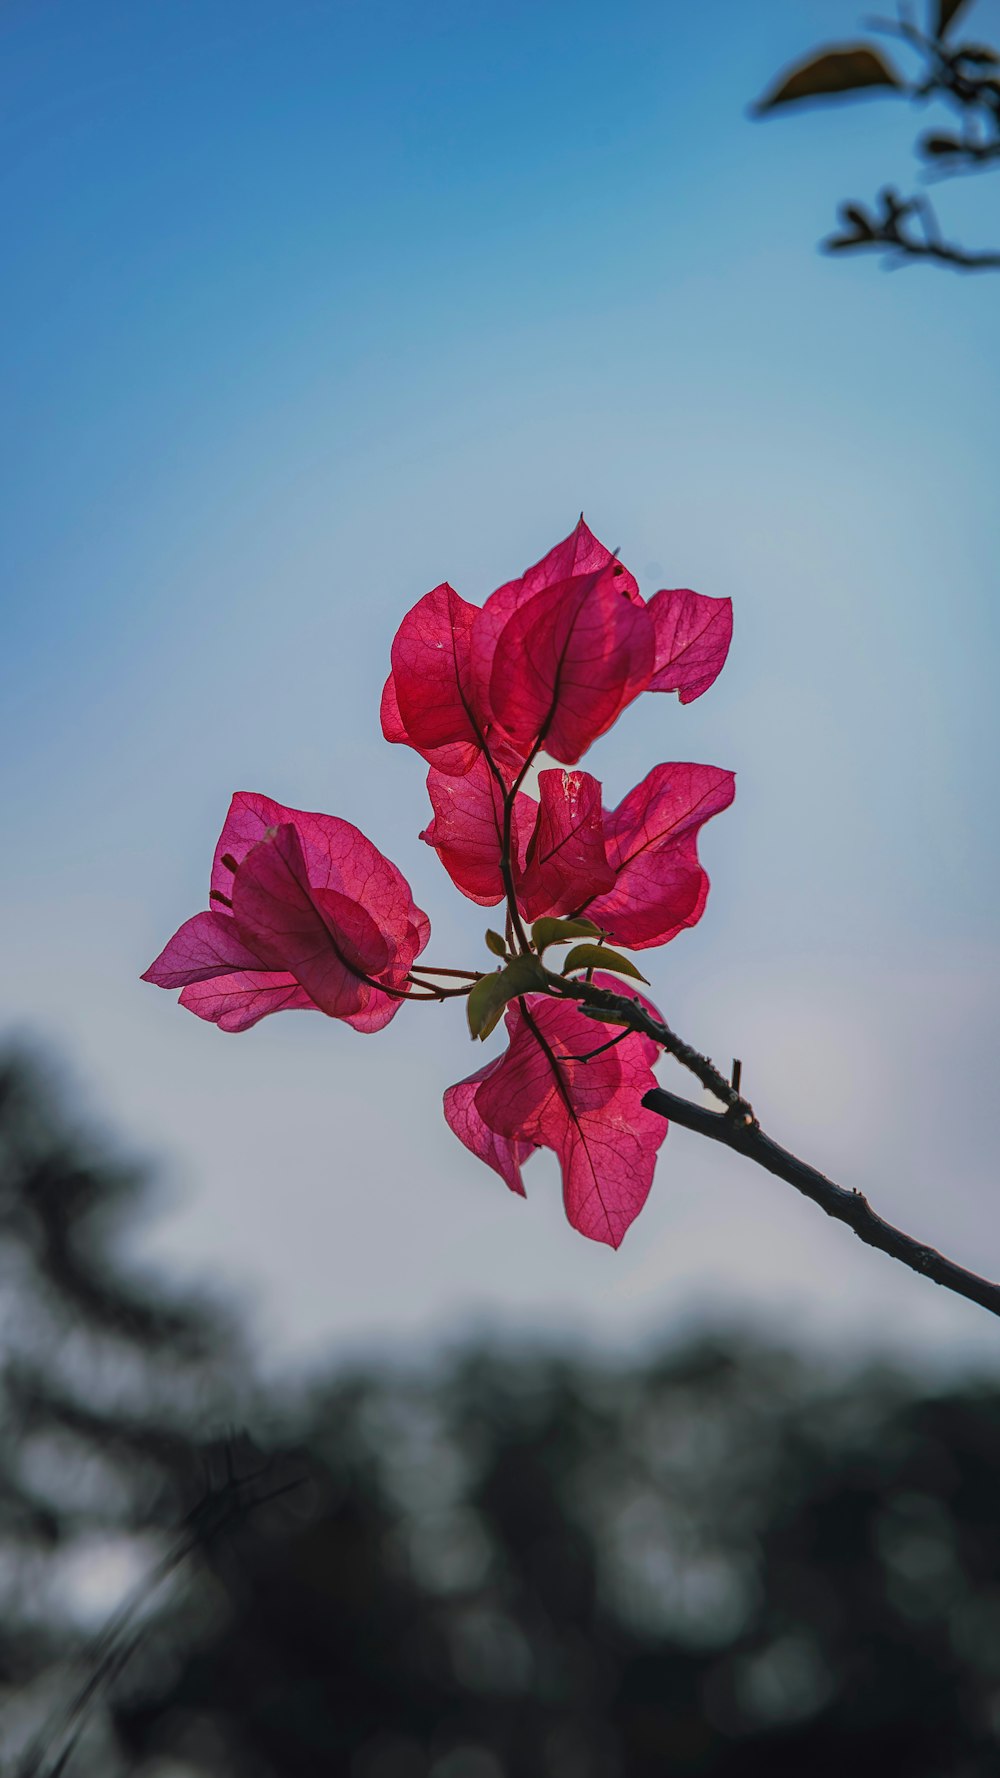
(568, 662)
(456, 758)
(235, 1002)
(431, 676)
(467, 830)
(589, 1113)
(337, 855)
(579, 553)
(693, 634)
(329, 943)
(566, 864)
(652, 844)
(206, 946)
(499, 1152)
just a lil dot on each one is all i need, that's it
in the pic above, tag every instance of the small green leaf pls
(489, 996)
(603, 1015)
(481, 1002)
(486, 1003)
(844, 70)
(598, 957)
(496, 944)
(558, 932)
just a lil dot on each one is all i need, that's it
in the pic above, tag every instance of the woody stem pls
(636, 1018)
(507, 872)
(506, 862)
(850, 1207)
(506, 868)
(589, 1055)
(434, 993)
(467, 975)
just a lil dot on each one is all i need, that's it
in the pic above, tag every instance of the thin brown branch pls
(467, 975)
(939, 252)
(851, 1207)
(635, 1016)
(894, 230)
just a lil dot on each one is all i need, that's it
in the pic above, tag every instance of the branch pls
(851, 1207)
(220, 1506)
(909, 248)
(632, 1013)
(965, 75)
(890, 231)
(955, 155)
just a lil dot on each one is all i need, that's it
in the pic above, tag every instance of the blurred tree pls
(715, 1564)
(963, 74)
(112, 1397)
(719, 1562)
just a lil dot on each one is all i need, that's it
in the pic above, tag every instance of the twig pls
(737, 1128)
(908, 248)
(111, 1651)
(888, 232)
(588, 1055)
(634, 1015)
(851, 1207)
(963, 75)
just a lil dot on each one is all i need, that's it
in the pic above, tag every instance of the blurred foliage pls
(719, 1561)
(962, 74)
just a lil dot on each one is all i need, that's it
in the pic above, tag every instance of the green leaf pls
(837, 71)
(599, 957)
(496, 944)
(558, 932)
(489, 996)
(603, 1015)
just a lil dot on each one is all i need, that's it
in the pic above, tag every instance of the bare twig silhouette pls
(963, 75)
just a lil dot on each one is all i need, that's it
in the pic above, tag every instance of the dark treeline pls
(716, 1563)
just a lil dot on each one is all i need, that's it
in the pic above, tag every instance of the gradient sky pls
(308, 307)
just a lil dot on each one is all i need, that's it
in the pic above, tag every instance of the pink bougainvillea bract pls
(306, 913)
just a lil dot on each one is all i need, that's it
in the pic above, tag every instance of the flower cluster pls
(305, 912)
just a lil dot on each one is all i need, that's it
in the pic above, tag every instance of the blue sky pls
(310, 306)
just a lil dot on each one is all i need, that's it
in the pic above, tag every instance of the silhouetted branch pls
(957, 154)
(621, 1009)
(892, 231)
(965, 75)
(221, 1505)
(737, 1127)
(851, 1207)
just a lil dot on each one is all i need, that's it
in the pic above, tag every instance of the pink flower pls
(652, 847)
(468, 826)
(566, 863)
(539, 1094)
(633, 870)
(550, 660)
(693, 634)
(306, 914)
